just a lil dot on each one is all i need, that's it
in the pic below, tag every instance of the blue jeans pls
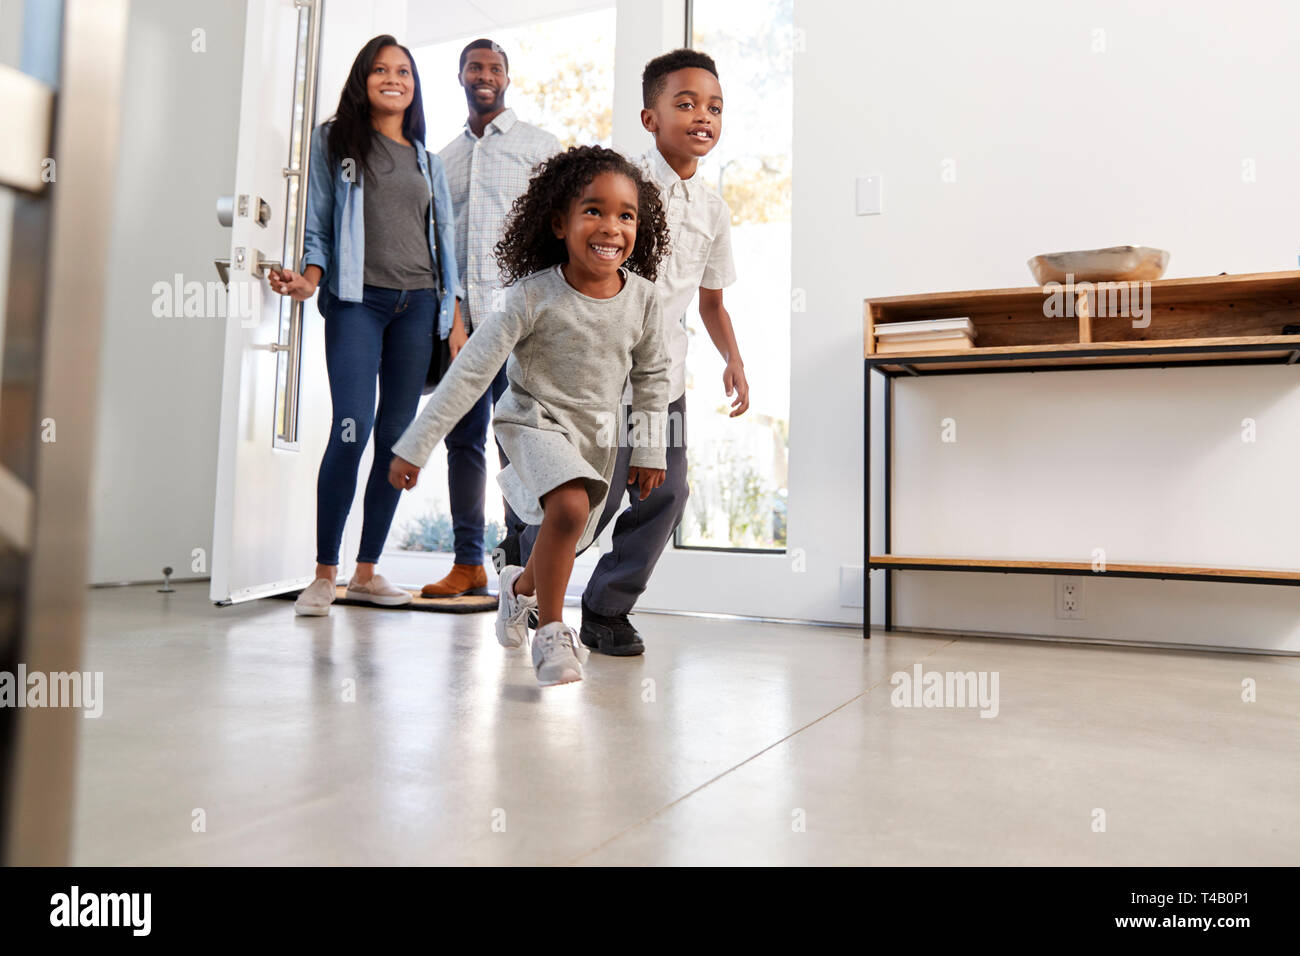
(467, 474)
(388, 335)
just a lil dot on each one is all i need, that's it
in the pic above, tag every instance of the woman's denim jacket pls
(335, 235)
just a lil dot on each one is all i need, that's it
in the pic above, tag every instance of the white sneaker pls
(557, 654)
(316, 598)
(378, 591)
(512, 609)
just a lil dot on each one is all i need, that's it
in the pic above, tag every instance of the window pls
(737, 467)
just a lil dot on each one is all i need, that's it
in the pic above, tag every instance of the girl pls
(380, 232)
(580, 252)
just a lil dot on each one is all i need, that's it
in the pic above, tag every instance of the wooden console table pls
(1214, 320)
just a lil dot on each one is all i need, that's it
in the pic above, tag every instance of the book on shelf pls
(961, 325)
(924, 344)
(927, 336)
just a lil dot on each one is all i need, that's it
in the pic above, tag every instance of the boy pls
(682, 102)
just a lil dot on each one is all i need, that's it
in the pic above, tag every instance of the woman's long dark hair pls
(351, 129)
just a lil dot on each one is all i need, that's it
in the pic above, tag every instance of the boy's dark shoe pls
(610, 635)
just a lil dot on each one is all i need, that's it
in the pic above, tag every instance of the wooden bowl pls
(1116, 264)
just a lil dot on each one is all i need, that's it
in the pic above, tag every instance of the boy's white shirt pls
(699, 224)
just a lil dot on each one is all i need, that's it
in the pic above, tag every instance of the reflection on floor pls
(373, 737)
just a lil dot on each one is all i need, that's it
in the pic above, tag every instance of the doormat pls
(464, 604)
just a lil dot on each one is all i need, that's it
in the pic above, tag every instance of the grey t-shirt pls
(396, 211)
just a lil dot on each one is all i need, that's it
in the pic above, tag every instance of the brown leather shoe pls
(464, 579)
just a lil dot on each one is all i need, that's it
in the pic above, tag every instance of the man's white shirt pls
(485, 175)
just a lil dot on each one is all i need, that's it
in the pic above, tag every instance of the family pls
(559, 281)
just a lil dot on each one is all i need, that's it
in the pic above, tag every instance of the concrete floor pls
(729, 742)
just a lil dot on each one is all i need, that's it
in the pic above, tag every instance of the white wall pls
(1056, 146)
(160, 378)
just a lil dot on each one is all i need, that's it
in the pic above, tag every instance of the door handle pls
(223, 267)
(270, 347)
(306, 77)
(258, 265)
(272, 264)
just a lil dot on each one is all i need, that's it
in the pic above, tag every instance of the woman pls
(378, 243)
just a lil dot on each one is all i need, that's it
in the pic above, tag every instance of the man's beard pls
(497, 102)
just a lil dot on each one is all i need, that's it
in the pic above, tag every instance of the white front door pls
(275, 405)
(275, 400)
(263, 536)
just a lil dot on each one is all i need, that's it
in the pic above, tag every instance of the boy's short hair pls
(483, 44)
(654, 77)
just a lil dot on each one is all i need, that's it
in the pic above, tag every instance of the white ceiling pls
(434, 21)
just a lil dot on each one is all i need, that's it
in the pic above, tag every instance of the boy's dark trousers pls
(642, 530)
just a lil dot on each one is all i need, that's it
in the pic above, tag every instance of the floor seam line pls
(754, 756)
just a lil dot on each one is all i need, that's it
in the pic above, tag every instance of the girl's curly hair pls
(528, 245)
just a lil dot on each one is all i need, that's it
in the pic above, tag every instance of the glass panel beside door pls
(738, 466)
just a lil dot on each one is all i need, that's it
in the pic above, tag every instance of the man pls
(488, 166)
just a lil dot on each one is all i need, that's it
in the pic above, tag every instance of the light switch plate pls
(868, 195)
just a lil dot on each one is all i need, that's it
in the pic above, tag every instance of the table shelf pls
(898, 562)
(1215, 320)
(1236, 350)
(1202, 321)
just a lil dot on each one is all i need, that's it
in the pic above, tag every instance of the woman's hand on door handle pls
(293, 284)
(403, 475)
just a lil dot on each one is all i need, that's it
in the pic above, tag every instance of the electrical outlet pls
(1069, 598)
